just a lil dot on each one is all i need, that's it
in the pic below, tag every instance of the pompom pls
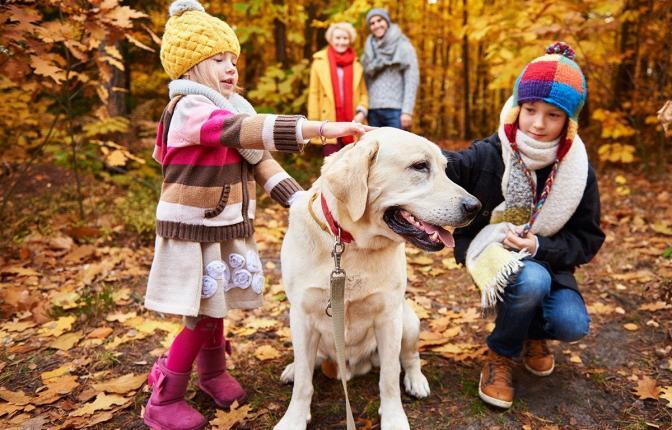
(561, 48)
(178, 7)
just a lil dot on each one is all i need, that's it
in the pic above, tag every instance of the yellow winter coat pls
(321, 102)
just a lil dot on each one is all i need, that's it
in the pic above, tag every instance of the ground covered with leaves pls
(77, 343)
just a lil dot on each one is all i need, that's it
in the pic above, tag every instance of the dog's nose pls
(471, 205)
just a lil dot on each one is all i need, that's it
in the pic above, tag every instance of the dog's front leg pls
(388, 337)
(304, 341)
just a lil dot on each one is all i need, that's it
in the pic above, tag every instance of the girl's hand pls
(332, 130)
(513, 241)
(340, 129)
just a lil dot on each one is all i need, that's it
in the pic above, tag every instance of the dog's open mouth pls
(426, 236)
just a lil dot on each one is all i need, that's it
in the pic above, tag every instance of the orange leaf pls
(46, 68)
(647, 388)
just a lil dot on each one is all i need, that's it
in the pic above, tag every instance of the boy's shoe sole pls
(539, 373)
(491, 400)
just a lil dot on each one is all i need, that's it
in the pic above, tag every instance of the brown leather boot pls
(496, 386)
(538, 358)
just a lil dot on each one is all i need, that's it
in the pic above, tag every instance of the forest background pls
(81, 91)
(82, 86)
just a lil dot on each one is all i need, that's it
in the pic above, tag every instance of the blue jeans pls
(384, 118)
(531, 309)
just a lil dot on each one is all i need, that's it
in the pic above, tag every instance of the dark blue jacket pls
(479, 170)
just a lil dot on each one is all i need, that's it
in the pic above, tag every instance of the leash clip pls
(337, 275)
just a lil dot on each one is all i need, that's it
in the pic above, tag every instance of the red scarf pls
(344, 108)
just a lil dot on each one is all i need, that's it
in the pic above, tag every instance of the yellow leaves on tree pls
(615, 126)
(617, 153)
(44, 67)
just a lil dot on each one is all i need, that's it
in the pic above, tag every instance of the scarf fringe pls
(493, 291)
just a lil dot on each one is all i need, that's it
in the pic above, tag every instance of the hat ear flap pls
(347, 175)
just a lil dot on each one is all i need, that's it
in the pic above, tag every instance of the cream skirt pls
(195, 279)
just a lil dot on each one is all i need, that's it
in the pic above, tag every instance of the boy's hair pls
(205, 73)
(344, 26)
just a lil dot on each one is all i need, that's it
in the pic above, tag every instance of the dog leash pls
(336, 307)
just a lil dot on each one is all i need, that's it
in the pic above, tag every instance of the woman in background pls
(337, 89)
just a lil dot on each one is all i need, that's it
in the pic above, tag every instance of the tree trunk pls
(116, 87)
(280, 33)
(309, 31)
(466, 128)
(623, 80)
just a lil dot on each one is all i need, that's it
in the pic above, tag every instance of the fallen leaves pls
(103, 402)
(227, 420)
(631, 327)
(647, 388)
(58, 327)
(420, 311)
(653, 307)
(666, 395)
(56, 388)
(66, 341)
(18, 398)
(55, 373)
(122, 384)
(266, 352)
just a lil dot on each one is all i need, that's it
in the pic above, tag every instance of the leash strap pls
(337, 307)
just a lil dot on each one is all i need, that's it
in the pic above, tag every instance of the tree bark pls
(466, 127)
(280, 33)
(117, 86)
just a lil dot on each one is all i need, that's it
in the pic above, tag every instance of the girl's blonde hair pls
(345, 26)
(205, 73)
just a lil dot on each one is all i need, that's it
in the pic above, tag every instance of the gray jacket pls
(395, 86)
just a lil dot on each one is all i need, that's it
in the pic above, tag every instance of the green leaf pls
(668, 252)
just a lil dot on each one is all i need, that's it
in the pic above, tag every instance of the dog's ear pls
(347, 175)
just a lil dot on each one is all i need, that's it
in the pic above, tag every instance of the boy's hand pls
(406, 121)
(359, 118)
(513, 241)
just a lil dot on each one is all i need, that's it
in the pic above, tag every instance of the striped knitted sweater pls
(208, 192)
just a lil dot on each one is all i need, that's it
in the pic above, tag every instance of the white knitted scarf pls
(491, 266)
(234, 103)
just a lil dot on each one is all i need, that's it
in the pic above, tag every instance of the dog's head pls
(392, 185)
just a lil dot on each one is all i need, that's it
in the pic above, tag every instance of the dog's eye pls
(420, 166)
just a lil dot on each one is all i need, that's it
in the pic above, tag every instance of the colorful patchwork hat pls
(553, 78)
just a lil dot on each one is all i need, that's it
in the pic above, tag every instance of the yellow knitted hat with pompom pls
(191, 36)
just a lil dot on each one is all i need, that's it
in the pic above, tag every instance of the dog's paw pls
(397, 421)
(287, 376)
(293, 422)
(416, 384)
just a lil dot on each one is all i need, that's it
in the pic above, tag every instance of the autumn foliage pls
(81, 90)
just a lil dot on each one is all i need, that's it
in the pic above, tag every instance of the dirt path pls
(94, 293)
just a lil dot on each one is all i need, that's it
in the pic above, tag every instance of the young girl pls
(213, 149)
(540, 220)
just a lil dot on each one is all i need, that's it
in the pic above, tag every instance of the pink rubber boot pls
(213, 377)
(166, 408)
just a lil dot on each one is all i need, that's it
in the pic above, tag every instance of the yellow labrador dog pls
(387, 189)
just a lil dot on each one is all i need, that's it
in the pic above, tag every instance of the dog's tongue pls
(444, 235)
